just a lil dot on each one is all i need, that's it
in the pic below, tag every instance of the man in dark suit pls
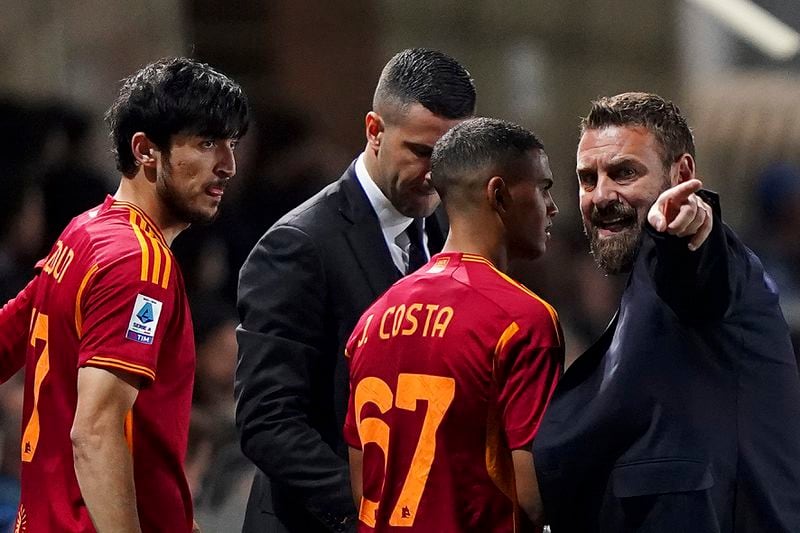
(311, 276)
(685, 415)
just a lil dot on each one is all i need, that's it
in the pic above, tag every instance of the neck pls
(141, 192)
(474, 237)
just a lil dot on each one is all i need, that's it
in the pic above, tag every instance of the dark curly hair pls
(172, 96)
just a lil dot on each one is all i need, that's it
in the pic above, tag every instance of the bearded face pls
(193, 175)
(615, 252)
(620, 175)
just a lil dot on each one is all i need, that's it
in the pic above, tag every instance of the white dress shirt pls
(393, 223)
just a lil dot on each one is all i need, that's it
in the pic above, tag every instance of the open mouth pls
(613, 218)
(614, 224)
(216, 190)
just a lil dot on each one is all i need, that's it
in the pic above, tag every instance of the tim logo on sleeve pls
(144, 319)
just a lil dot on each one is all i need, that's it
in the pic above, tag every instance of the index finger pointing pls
(681, 192)
(672, 199)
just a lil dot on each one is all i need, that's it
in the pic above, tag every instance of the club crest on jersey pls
(144, 319)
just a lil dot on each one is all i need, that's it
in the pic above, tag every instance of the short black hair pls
(461, 155)
(428, 77)
(172, 96)
(660, 116)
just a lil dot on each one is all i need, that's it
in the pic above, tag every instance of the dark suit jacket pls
(301, 292)
(685, 415)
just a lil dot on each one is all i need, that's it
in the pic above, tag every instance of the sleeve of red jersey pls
(529, 364)
(125, 319)
(15, 319)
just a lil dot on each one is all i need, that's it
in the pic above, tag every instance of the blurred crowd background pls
(309, 69)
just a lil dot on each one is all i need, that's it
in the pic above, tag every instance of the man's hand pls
(678, 211)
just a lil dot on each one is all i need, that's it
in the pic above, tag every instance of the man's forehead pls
(421, 126)
(613, 144)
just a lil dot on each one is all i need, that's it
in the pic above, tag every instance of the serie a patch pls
(144, 319)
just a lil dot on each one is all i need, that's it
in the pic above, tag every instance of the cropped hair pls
(476, 145)
(175, 96)
(661, 117)
(428, 77)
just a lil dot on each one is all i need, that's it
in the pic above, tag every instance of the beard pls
(616, 253)
(178, 206)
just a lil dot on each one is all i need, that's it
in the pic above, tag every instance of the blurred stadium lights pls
(756, 25)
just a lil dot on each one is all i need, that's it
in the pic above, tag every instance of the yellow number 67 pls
(439, 393)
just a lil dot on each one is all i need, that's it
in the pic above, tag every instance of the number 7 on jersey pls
(439, 392)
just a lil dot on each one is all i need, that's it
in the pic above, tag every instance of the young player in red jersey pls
(104, 329)
(452, 367)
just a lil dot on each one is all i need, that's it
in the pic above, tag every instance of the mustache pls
(222, 183)
(612, 211)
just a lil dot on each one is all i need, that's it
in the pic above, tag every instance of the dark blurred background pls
(309, 69)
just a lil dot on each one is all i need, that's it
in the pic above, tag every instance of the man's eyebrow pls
(624, 160)
(614, 163)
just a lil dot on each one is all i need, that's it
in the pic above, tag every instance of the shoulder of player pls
(125, 240)
(513, 297)
(122, 237)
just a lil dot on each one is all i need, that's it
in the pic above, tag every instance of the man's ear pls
(144, 150)
(682, 170)
(375, 127)
(497, 194)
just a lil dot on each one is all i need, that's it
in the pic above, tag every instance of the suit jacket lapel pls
(587, 363)
(365, 236)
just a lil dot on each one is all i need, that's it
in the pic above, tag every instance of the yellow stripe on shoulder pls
(79, 296)
(137, 230)
(509, 332)
(159, 269)
(142, 215)
(167, 266)
(473, 258)
(156, 273)
(549, 308)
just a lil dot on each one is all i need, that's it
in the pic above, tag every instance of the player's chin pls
(539, 250)
(205, 215)
(528, 251)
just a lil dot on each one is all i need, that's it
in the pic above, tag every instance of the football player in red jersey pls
(451, 369)
(104, 329)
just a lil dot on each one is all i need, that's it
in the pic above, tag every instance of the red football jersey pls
(108, 295)
(450, 370)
